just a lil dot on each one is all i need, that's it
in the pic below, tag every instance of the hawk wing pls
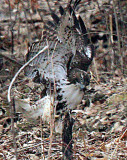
(63, 66)
(68, 46)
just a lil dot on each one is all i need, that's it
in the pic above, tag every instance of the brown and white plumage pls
(64, 65)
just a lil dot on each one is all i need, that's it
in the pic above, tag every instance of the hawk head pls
(79, 77)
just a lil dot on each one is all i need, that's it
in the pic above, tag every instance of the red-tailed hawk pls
(62, 69)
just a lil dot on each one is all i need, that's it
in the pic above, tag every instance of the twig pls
(26, 20)
(118, 35)
(12, 24)
(29, 21)
(12, 107)
(42, 141)
(12, 39)
(16, 75)
(111, 28)
(111, 39)
(52, 120)
(119, 139)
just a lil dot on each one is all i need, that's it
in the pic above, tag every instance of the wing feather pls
(69, 48)
(61, 10)
(68, 45)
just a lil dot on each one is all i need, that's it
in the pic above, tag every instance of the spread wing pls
(63, 66)
(53, 62)
(68, 46)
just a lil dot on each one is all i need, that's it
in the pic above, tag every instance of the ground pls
(99, 131)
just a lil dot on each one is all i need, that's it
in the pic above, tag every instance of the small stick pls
(118, 36)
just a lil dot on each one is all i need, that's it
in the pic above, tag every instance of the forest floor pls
(100, 128)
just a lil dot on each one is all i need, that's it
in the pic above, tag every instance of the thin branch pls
(111, 40)
(12, 107)
(52, 120)
(26, 20)
(29, 21)
(16, 75)
(117, 144)
(118, 35)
